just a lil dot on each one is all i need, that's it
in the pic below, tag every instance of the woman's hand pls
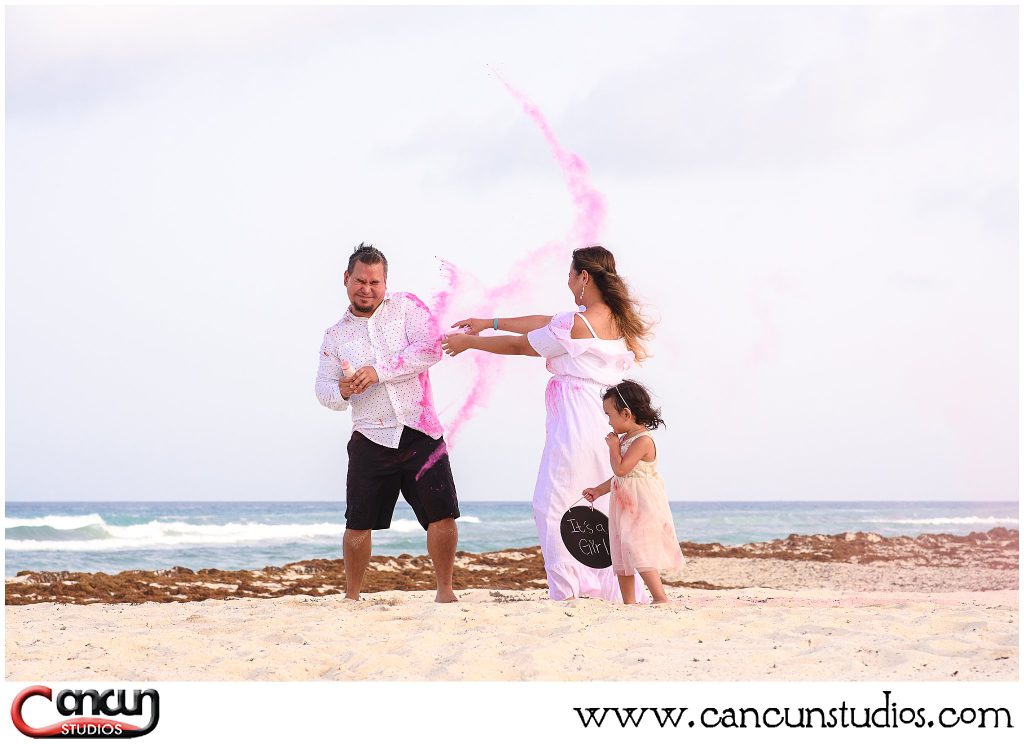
(455, 344)
(473, 326)
(591, 494)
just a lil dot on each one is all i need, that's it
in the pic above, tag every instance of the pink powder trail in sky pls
(589, 219)
(590, 206)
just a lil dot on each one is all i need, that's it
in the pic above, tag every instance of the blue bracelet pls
(495, 324)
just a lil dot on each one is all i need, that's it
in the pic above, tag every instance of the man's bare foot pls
(444, 597)
(356, 598)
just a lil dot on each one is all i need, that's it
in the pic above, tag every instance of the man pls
(396, 445)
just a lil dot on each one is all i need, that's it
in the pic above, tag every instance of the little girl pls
(643, 538)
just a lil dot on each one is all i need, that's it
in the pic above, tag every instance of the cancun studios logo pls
(106, 703)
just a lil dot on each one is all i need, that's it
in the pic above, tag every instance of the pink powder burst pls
(588, 220)
(484, 377)
(442, 301)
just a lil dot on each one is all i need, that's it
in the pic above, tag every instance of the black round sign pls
(585, 534)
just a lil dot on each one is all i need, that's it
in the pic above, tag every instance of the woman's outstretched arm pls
(522, 324)
(513, 345)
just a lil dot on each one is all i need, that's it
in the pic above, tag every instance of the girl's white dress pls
(575, 453)
(643, 537)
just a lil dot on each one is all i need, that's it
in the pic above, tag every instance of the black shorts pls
(376, 474)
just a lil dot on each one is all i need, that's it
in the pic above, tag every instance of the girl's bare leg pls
(627, 585)
(653, 581)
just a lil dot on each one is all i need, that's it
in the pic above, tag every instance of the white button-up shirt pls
(400, 341)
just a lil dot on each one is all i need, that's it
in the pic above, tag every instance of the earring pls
(581, 293)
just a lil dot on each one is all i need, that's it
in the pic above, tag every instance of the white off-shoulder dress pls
(575, 453)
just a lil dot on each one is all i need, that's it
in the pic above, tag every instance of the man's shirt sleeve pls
(329, 372)
(423, 350)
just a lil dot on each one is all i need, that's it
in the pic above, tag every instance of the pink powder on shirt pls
(441, 305)
(416, 301)
(427, 422)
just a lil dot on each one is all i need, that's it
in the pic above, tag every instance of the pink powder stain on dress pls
(551, 395)
(624, 499)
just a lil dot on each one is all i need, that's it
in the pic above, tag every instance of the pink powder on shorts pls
(436, 455)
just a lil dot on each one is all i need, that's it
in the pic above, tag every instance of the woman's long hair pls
(600, 264)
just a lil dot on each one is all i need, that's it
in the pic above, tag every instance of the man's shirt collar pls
(350, 316)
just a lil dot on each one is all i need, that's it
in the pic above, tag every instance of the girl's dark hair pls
(634, 396)
(600, 264)
(367, 254)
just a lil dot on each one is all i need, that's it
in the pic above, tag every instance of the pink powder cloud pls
(589, 219)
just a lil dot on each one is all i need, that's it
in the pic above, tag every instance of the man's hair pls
(367, 254)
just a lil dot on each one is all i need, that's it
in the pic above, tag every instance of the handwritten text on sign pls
(585, 534)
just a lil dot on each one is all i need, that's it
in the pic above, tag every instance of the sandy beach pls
(854, 606)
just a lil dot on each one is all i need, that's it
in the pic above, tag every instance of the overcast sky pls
(820, 205)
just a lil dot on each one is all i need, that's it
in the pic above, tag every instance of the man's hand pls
(346, 387)
(363, 378)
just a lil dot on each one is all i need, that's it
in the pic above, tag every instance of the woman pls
(586, 352)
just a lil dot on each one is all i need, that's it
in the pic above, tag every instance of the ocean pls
(116, 536)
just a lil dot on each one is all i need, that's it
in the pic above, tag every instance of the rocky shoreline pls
(980, 561)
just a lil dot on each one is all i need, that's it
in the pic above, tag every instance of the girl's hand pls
(591, 494)
(612, 440)
(455, 344)
(472, 326)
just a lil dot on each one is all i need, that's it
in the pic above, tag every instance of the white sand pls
(739, 634)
